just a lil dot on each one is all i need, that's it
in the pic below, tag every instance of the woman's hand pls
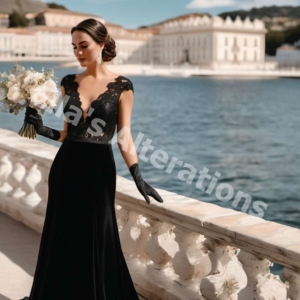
(33, 117)
(144, 188)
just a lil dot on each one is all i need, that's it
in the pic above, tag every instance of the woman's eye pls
(82, 47)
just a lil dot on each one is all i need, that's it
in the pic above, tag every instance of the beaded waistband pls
(87, 140)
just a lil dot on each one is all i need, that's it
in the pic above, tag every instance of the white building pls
(288, 55)
(4, 20)
(196, 39)
(212, 42)
(7, 39)
(59, 17)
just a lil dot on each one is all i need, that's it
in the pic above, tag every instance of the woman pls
(80, 254)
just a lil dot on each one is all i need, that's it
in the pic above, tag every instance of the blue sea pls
(244, 133)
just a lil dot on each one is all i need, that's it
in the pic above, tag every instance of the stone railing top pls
(276, 242)
(34, 149)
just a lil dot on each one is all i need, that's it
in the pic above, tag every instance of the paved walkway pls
(19, 247)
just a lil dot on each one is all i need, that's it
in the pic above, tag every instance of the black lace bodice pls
(102, 115)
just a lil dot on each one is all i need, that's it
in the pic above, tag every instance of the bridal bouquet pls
(22, 88)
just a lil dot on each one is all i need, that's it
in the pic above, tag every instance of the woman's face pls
(85, 48)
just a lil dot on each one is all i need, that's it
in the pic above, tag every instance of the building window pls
(255, 56)
(226, 55)
(245, 55)
(255, 43)
(226, 41)
(245, 43)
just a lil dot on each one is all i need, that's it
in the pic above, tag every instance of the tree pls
(274, 39)
(17, 20)
(56, 6)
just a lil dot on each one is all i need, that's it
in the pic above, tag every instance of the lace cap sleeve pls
(63, 81)
(127, 84)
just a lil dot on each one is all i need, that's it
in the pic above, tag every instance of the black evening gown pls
(80, 255)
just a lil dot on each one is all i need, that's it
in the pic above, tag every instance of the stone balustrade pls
(180, 249)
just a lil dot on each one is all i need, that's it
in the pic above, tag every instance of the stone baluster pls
(293, 283)
(160, 248)
(191, 263)
(261, 283)
(133, 236)
(227, 277)
(18, 174)
(32, 178)
(6, 168)
(41, 189)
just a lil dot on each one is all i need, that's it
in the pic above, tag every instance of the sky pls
(132, 14)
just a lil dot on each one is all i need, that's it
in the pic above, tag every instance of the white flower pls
(32, 79)
(52, 99)
(50, 86)
(9, 84)
(14, 93)
(4, 75)
(38, 97)
(52, 92)
(11, 77)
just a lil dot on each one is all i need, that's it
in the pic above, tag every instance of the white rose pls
(31, 80)
(38, 97)
(14, 93)
(11, 77)
(52, 99)
(50, 86)
(38, 76)
(9, 84)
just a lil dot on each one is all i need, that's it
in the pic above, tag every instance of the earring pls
(99, 59)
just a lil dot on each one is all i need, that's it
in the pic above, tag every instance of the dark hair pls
(99, 34)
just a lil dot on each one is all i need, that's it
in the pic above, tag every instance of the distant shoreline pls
(37, 58)
(166, 70)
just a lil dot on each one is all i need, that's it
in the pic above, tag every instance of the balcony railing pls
(180, 249)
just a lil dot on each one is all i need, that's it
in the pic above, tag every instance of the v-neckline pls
(78, 94)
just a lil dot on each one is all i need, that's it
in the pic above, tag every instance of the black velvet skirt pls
(80, 255)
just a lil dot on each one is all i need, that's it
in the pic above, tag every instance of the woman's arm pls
(127, 147)
(63, 133)
(125, 142)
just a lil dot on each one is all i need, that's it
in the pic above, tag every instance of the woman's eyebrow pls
(79, 43)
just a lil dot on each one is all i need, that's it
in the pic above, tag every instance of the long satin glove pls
(33, 117)
(144, 188)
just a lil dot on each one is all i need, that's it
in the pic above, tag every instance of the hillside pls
(292, 12)
(25, 6)
(22, 6)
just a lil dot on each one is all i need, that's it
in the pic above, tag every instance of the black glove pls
(143, 187)
(33, 117)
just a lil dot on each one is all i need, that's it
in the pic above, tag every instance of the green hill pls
(292, 12)
(21, 6)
